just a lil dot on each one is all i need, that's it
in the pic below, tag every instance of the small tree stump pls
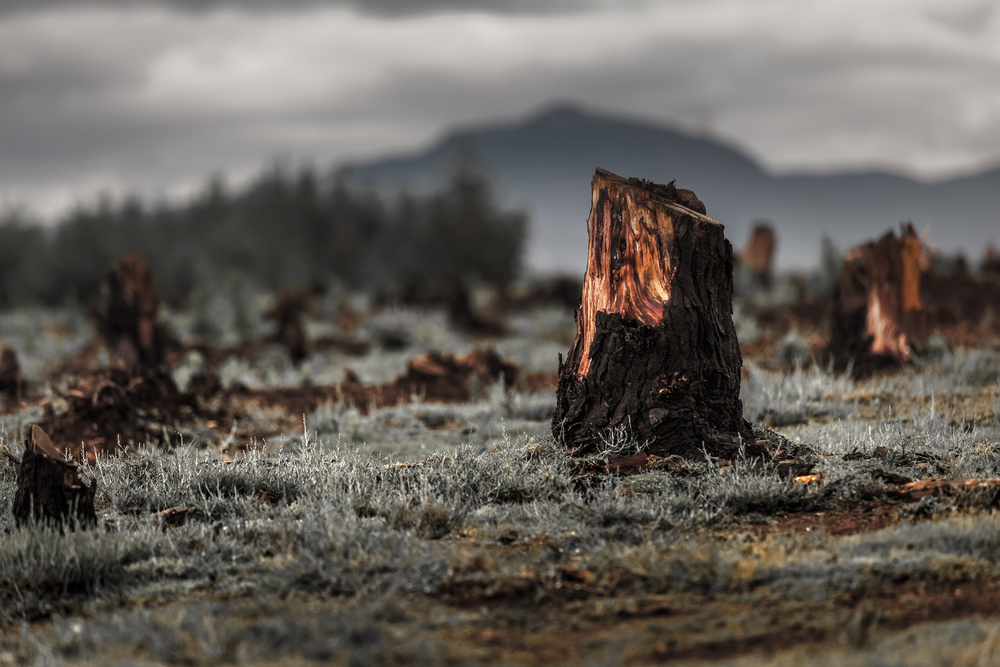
(11, 382)
(991, 260)
(656, 350)
(127, 321)
(759, 253)
(49, 488)
(878, 316)
(289, 311)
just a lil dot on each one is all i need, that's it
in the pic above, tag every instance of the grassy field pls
(462, 534)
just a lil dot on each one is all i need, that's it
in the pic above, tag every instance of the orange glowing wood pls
(878, 313)
(628, 271)
(656, 351)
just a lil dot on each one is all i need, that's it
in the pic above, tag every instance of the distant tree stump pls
(462, 315)
(11, 382)
(759, 253)
(656, 350)
(878, 317)
(127, 321)
(991, 260)
(49, 488)
(289, 311)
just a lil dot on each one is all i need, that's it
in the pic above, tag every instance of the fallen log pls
(935, 486)
(656, 351)
(49, 488)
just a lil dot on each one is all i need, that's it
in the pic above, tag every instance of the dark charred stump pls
(127, 321)
(463, 316)
(11, 382)
(49, 488)
(878, 315)
(289, 311)
(991, 260)
(656, 350)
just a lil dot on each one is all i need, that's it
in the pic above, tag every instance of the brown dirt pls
(109, 406)
(973, 405)
(115, 405)
(865, 517)
(518, 620)
(579, 620)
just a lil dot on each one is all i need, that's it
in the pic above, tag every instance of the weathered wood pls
(656, 350)
(878, 317)
(49, 488)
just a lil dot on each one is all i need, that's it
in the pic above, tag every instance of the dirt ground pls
(560, 617)
(546, 614)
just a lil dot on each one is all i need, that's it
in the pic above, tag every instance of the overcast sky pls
(153, 97)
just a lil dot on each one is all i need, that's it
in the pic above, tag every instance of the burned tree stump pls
(878, 317)
(991, 260)
(127, 321)
(11, 382)
(656, 350)
(289, 311)
(49, 488)
(464, 317)
(759, 253)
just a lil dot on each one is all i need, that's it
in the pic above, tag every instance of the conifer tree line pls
(285, 228)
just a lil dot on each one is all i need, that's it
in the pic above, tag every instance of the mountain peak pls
(544, 163)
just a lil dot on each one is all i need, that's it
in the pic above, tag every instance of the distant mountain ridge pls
(544, 165)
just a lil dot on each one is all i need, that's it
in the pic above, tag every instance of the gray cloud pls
(373, 7)
(97, 97)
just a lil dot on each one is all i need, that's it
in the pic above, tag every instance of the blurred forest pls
(286, 227)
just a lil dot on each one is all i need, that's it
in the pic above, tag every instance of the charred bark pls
(878, 315)
(656, 350)
(49, 488)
